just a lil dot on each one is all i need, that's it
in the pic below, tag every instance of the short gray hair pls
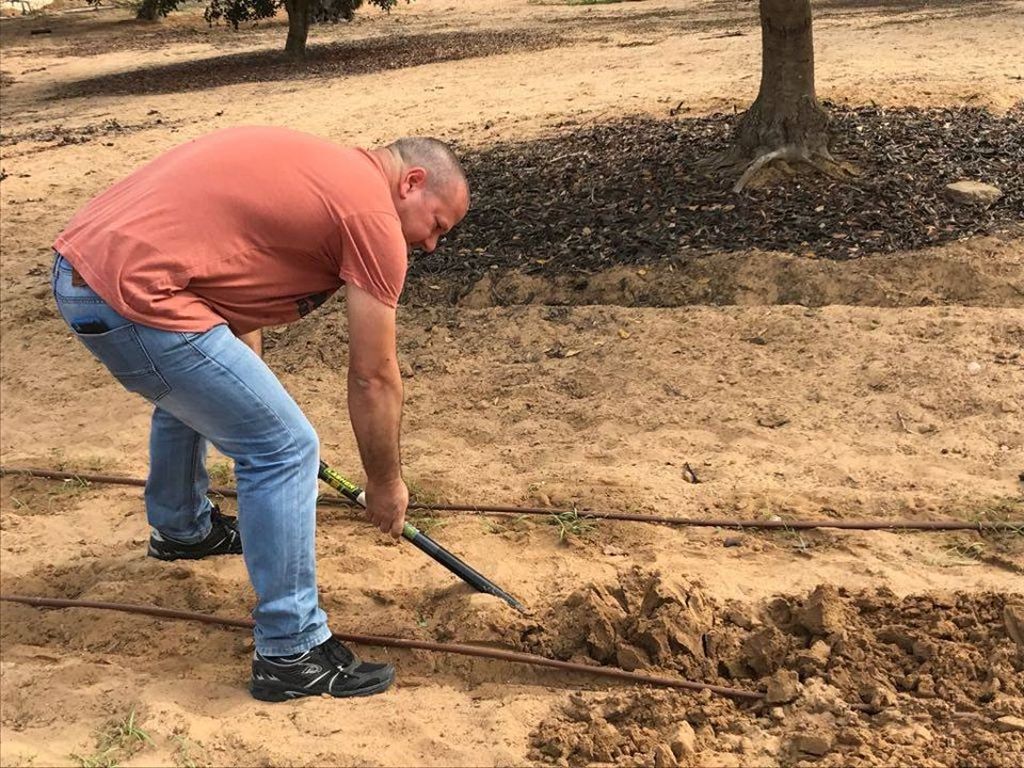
(442, 166)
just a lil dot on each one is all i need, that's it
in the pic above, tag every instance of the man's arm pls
(253, 340)
(375, 406)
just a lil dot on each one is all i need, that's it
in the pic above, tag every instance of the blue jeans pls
(212, 387)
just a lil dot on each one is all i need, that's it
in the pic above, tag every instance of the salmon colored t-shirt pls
(250, 226)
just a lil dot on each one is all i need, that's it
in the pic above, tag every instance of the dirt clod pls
(663, 757)
(870, 664)
(1013, 618)
(1010, 724)
(823, 613)
(813, 743)
(683, 740)
(783, 687)
(643, 620)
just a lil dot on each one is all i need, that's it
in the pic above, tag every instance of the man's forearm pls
(375, 407)
(253, 340)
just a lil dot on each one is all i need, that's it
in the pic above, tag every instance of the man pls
(168, 277)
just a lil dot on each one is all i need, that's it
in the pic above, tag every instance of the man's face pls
(427, 214)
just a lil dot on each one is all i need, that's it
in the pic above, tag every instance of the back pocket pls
(122, 352)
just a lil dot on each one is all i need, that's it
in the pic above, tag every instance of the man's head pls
(432, 195)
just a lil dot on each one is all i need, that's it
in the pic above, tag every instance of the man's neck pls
(390, 163)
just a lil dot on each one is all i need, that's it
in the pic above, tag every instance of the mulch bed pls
(629, 192)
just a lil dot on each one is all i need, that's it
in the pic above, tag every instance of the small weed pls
(126, 734)
(28, 758)
(119, 740)
(105, 759)
(570, 524)
(221, 473)
(94, 463)
(421, 495)
(795, 537)
(799, 543)
(1008, 530)
(506, 524)
(183, 757)
(992, 519)
(71, 485)
(425, 523)
(964, 554)
(57, 459)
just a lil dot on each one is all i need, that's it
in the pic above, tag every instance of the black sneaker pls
(329, 668)
(223, 539)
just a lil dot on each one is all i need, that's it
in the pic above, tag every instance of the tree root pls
(819, 159)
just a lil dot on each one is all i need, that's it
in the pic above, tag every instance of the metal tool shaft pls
(421, 541)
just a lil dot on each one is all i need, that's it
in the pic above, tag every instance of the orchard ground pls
(545, 368)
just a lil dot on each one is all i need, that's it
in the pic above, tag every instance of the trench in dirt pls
(848, 674)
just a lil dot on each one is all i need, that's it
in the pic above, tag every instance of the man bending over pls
(168, 277)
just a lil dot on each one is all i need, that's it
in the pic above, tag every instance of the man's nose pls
(430, 244)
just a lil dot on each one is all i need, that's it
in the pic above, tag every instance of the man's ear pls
(413, 178)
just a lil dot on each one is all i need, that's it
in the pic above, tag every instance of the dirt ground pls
(885, 386)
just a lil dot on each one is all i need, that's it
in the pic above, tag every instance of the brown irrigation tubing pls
(397, 642)
(788, 525)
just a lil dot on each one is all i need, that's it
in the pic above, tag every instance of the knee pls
(294, 446)
(307, 443)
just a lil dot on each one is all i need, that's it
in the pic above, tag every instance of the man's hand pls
(386, 504)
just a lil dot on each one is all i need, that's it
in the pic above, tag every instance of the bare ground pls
(884, 386)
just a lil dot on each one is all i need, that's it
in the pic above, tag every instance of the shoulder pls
(379, 224)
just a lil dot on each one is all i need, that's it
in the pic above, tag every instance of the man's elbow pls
(375, 379)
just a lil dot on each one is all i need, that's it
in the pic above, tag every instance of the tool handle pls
(350, 491)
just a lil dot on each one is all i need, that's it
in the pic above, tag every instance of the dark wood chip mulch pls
(629, 192)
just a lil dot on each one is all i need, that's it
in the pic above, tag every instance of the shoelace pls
(229, 524)
(338, 654)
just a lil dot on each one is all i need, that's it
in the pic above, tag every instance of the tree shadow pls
(903, 6)
(333, 60)
(88, 35)
(908, 11)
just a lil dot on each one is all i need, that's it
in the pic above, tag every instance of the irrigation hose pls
(995, 526)
(398, 642)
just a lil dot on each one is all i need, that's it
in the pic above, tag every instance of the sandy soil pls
(887, 386)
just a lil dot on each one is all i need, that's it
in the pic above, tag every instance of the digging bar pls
(474, 578)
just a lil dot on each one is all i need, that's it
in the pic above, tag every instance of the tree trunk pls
(786, 112)
(298, 27)
(785, 122)
(147, 11)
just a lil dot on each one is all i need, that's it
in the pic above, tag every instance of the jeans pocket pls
(121, 351)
